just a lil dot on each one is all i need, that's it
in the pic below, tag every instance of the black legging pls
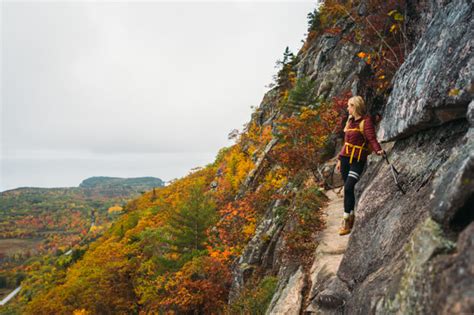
(350, 175)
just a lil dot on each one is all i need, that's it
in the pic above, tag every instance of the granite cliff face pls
(408, 253)
(434, 84)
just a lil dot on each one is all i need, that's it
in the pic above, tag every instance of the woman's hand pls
(381, 152)
(338, 165)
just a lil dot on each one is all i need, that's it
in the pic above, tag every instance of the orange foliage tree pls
(304, 137)
(200, 286)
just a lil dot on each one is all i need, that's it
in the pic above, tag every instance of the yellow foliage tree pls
(115, 209)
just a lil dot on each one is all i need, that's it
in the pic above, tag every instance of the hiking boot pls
(351, 221)
(345, 227)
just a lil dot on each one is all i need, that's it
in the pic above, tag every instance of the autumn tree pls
(305, 137)
(99, 283)
(200, 287)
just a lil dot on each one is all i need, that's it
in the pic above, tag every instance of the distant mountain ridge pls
(139, 183)
(104, 181)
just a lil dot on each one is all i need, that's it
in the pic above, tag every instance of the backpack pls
(361, 129)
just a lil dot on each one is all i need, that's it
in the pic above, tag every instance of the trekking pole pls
(394, 172)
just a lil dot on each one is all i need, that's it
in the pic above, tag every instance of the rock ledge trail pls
(331, 247)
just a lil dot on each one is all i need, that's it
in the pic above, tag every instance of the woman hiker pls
(359, 139)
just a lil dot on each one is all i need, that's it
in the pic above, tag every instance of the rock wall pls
(395, 237)
(434, 84)
(409, 251)
(333, 63)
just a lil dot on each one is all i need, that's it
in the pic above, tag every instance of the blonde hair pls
(359, 105)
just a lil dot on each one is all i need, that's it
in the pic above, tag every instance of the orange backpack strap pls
(361, 127)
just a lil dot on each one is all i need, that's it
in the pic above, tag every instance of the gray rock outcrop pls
(434, 84)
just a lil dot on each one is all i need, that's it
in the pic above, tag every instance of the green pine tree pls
(287, 65)
(302, 94)
(185, 232)
(314, 20)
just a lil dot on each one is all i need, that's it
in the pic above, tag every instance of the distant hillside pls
(108, 182)
(34, 221)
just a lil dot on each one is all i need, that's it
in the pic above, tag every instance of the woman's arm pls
(369, 133)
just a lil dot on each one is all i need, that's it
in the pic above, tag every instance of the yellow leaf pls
(392, 12)
(393, 27)
(398, 17)
(454, 92)
(249, 229)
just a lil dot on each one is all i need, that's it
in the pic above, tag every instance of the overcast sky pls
(132, 89)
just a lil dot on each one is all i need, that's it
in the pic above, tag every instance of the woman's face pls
(350, 108)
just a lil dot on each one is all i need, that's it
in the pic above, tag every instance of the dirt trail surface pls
(331, 247)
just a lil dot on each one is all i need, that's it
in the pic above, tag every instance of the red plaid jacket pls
(357, 143)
